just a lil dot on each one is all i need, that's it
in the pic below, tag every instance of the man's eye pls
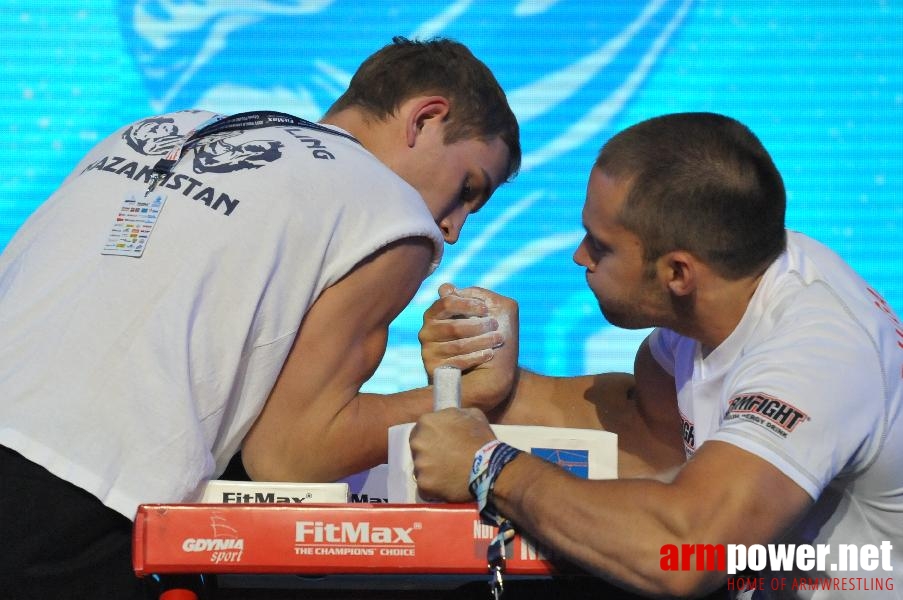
(466, 191)
(597, 246)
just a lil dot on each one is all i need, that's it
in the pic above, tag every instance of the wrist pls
(479, 469)
(488, 462)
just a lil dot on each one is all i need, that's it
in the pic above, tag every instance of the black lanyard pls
(236, 122)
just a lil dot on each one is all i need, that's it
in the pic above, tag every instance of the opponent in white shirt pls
(766, 389)
(766, 409)
(156, 316)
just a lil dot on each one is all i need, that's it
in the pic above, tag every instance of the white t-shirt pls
(137, 378)
(811, 380)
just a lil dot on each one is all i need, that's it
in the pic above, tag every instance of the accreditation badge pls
(134, 223)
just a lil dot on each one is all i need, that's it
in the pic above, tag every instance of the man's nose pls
(451, 226)
(581, 256)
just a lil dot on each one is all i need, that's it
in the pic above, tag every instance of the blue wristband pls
(488, 463)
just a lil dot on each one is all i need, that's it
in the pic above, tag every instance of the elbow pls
(262, 462)
(256, 468)
(299, 463)
(280, 469)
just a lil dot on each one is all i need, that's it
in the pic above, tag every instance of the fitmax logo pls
(262, 498)
(347, 532)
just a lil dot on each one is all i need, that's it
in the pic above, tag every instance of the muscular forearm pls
(328, 445)
(603, 402)
(359, 433)
(614, 529)
(618, 528)
(316, 425)
(591, 402)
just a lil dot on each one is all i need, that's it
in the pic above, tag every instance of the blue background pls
(820, 82)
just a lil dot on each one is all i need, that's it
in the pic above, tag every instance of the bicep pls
(640, 409)
(655, 394)
(340, 342)
(342, 338)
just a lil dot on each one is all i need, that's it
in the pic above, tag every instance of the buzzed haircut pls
(702, 183)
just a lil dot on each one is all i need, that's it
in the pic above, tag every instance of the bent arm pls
(462, 329)
(618, 529)
(641, 409)
(316, 425)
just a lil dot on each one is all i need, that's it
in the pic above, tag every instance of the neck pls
(354, 123)
(717, 309)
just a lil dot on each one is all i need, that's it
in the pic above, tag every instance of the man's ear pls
(423, 111)
(680, 271)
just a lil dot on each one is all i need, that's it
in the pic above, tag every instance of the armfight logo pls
(771, 413)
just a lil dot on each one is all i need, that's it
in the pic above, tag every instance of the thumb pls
(447, 289)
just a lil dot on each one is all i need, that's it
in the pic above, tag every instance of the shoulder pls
(811, 291)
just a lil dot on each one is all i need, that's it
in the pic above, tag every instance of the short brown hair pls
(703, 183)
(407, 68)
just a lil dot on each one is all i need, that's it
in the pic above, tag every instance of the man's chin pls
(623, 321)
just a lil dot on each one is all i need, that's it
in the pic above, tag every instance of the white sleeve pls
(663, 346)
(809, 400)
